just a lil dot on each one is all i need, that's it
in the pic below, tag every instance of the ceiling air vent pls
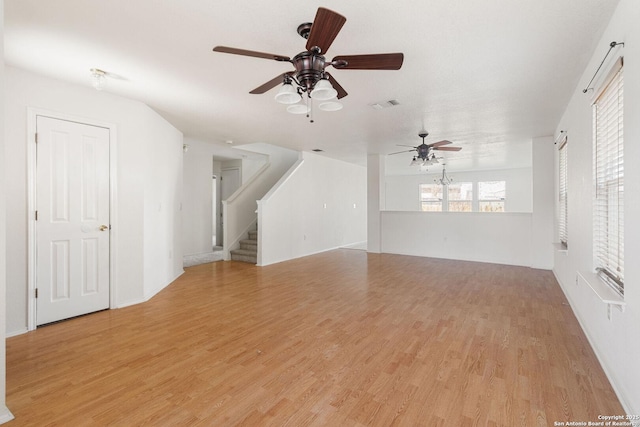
(317, 150)
(385, 104)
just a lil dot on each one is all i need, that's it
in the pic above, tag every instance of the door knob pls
(104, 227)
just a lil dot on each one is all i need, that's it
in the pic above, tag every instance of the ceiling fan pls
(310, 76)
(425, 151)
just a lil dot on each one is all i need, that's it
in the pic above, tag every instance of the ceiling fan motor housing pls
(423, 151)
(304, 29)
(309, 68)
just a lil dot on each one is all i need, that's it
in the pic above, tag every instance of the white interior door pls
(72, 227)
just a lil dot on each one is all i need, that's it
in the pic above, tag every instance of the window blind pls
(562, 191)
(608, 233)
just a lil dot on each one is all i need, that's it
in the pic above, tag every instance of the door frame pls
(32, 114)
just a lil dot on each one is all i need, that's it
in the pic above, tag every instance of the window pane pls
(491, 190)
(431, 197)
(460, 197)
(460, 206)
(494, 206)
(431, 206)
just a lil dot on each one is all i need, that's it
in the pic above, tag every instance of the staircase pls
(248, 251)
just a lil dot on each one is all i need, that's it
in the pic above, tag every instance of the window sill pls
(602, 290)
(560, 248)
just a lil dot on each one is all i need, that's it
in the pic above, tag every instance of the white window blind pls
(608, 215)
(562, 192)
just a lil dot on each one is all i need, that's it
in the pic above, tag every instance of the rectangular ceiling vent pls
(385, 104)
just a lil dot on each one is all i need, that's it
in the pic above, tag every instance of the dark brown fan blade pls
(270, 84)
(325, 28)
(404, 151)
(243, 52)
(380, 61)
(447, 148)
(341, 92)
(439, 143)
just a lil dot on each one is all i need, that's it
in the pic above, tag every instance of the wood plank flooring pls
(342, 338)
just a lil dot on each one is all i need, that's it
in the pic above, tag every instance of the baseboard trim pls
(14, 334)
(301, 256)
(625, 404)
(5, 415)
(357, 245)
(130, 303)
(155, 292)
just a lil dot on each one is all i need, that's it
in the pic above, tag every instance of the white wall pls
(250, 166)
(163, 251)
(144, 182)
(542, 234)
(5, 415)
(501, 238)
(616, 341)
(197, 223)
(318, 206)
(375, 200)
(402, 191)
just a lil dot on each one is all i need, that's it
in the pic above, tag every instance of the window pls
(608, 165)
(491, 195)
(430, 197)
(562, 193)
(460, 197)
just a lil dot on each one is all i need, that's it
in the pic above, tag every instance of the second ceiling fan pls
(425, 151)
(310, 76)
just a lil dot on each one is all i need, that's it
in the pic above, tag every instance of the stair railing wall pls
(262, 204)
(239, 211)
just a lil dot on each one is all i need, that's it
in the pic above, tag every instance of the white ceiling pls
(488, 75)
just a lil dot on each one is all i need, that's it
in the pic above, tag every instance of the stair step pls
(248, 244)
(253, 235)
(244, 255)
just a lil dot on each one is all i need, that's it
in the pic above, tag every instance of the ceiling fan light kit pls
(310, 76)
(330, 106)
(298, 109)
(424, 163)
(323, 91)
(287, 94)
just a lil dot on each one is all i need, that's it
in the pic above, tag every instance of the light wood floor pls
(343, 338)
